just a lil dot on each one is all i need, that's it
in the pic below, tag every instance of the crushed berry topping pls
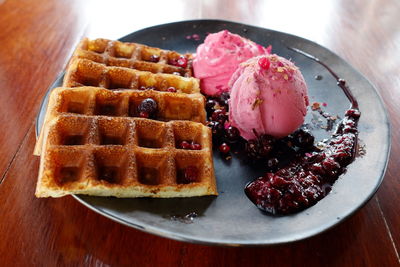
(264, 63)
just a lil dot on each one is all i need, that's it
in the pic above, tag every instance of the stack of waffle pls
(95, 142)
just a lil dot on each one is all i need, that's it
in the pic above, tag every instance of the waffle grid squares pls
(124, 103)
(124, 161)
(83, 72)
(132, 55)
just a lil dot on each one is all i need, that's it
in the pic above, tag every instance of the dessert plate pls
(230, 218)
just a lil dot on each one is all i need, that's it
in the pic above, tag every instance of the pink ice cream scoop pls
(268, 95)
(218, 58)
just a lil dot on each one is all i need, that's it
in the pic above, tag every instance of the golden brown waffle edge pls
(134, 56)
(84, 72)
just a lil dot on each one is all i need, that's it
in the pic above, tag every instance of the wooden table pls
(37, 38)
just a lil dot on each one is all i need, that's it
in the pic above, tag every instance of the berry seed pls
(171, 89)
(224, 148)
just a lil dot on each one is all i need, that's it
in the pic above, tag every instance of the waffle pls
(83, 72)
(134, 56)
(93, 143)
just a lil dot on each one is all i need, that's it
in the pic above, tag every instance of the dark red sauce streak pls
(340, 82)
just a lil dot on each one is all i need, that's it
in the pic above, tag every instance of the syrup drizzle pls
(340, 82)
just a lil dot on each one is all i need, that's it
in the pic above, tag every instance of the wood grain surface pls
(37, 38)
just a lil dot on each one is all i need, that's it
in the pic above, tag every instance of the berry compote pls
(309, 177)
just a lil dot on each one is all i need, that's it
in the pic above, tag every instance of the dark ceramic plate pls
(230, 218)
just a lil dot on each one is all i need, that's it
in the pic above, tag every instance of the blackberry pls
(223, 99)
(210, 106)
(232, 134)
(303, 139)
(148, 106)
(261, 147)
(272, 164)
(217, 129)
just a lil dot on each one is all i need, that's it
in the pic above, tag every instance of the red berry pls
(144, 114)
(219, 115)
(171, 89)
(185, 145)
(182, 62)
(142, 87)
(195, 146)
(154, 58)
(232, 134)
(224, 148)
(264, 63)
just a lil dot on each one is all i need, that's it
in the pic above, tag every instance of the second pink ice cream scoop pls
(268, 96)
